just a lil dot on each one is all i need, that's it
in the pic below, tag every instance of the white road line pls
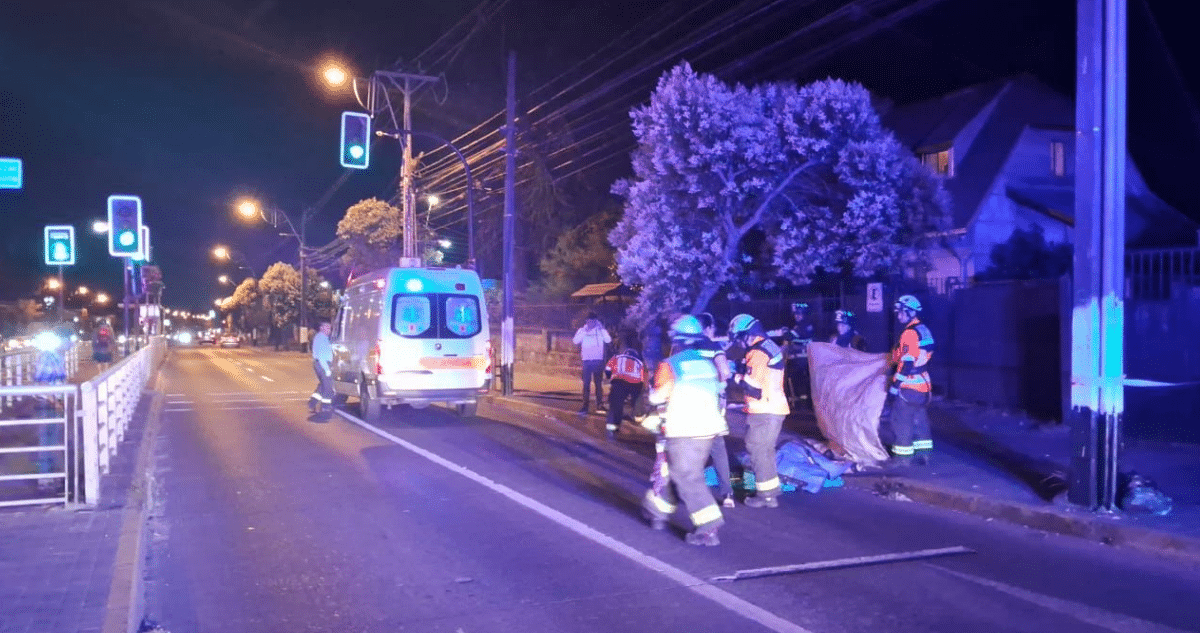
(699, 586)
(267, 379)
(1087, 614)
(249, 408)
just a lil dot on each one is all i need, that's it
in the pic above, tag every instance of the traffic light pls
(60, 245)
(124, 226)
(356, 140)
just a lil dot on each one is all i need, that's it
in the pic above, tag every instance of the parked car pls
(230, 340)
(207, 338)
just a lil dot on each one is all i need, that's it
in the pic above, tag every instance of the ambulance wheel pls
(467, 410)
(371, 407)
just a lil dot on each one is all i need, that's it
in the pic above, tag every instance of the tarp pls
(849, 389)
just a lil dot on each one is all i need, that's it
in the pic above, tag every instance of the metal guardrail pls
(90, 418)
(17, 367)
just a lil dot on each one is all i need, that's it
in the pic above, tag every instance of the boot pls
(760, 501)
(656, 522)
(706, 539)
(923, 458)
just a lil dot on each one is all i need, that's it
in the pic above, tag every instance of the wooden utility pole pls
(507, 333)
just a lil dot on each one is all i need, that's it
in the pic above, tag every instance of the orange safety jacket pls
(911, 358)
(626, 367)
(763, 382)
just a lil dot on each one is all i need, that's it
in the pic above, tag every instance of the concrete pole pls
(406, 184)
(1097, 399)
(508, 334)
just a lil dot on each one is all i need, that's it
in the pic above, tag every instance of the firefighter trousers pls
(686, 458)
(322, 396)
(762, 434)
(910, 424)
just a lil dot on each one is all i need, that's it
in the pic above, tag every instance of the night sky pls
(192, 104)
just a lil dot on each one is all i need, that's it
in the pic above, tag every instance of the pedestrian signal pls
(60, 245)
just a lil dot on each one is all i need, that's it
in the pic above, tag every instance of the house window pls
(1058, 159)
(942, 163)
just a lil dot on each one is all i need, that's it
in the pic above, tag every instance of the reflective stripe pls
(903, 451)
(659, 503)
(706, 515)
(767, 485)
(611, 427)
(923, 445)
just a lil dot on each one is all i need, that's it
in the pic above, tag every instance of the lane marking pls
(267, 379)
(249, 408)
(697, 585)
(1087, 614)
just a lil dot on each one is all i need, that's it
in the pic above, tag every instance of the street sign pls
(875, 297)
(59, 245)
(10, 173)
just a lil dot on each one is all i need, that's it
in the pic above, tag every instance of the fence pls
(17, 367)
(1150, 273)
(81, 426)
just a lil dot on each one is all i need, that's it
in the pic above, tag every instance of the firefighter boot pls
(761, 501)
(707, 538)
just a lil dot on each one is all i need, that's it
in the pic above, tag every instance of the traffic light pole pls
(61, 285)
(128, 262)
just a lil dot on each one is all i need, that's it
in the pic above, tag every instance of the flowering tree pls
(808, 172)
(372, 229)
(280, 290)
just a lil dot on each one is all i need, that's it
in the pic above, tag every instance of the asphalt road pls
(263, 520)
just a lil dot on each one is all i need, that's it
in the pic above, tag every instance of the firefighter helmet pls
(686, 328)
(799, 307)
(909, 303)
(844, 316)
(744, 324)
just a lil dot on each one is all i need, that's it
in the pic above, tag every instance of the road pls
(263, 520)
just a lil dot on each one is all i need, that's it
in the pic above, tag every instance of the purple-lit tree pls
(808, 169)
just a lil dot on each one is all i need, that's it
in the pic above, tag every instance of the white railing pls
(90, 418)
(17, 367)
(108, 402)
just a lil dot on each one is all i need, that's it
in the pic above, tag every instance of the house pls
(1006, 150)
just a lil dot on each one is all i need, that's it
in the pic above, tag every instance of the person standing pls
(846, 335)
(627, 374)
(688, 385)
(321, 401)
(102, 341)
(911, 388)
(712, 349)
(591, 339)
(797, 339)
(761, 378)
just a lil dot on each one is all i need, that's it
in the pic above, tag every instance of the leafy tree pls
(280, 290)
(320, 299)
(581, 255)
(728, 178)
(372, 229)
(1027, 255)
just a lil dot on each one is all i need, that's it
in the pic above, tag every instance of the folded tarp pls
(849, 389)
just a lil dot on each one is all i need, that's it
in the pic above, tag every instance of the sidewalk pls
(985, 462)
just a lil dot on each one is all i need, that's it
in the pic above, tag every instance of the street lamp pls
(99, 226)
(224, 279)
(101, 298)
(249, 208)
(220, 252)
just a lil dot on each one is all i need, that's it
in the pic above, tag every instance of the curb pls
(1068, 522)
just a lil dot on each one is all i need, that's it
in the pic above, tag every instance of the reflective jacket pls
(911, 358)
(626, 366)
(763, 380)
(687, 382)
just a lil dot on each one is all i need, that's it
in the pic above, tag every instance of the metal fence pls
(1150, 274)
(72, 432)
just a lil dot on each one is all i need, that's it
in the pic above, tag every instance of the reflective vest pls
(764, 374)
(687, 382)
(911, 358)
(626, 367)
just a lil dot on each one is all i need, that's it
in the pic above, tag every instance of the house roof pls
(1015, 103)
(1149, 222)
(614, 289)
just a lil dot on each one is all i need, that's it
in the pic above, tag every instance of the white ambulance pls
(413, 335)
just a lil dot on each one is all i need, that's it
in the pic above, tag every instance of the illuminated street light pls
(223, 279)
(433, 200)
(100, 226)
(334, 75)
(101, 298)
(53, 283)
(220, 252)
(444, 243)
(83, 290)
(248, 208)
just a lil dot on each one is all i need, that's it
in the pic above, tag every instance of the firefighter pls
(911, 388)
(797, 339)
(627, 374)
(761, 379)
(688, 384)
(846, 335)
(714, 349)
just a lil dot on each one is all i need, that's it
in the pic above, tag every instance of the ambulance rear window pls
(436, 315)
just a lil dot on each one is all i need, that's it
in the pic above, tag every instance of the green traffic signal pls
(356, 140)
(124, 226)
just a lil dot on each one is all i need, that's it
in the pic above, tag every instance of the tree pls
(320, 299)
(796, 180)
(1027, 255)
(280, 290)
(580, 256)
(372, 230)
(246, 301)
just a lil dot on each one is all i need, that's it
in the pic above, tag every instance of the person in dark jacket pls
(846, 335)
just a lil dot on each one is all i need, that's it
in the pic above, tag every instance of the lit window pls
(942, 163)
(1058, 159)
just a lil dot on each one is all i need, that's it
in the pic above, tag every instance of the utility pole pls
(507, 333)
(407, 84)
(1097, 400)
